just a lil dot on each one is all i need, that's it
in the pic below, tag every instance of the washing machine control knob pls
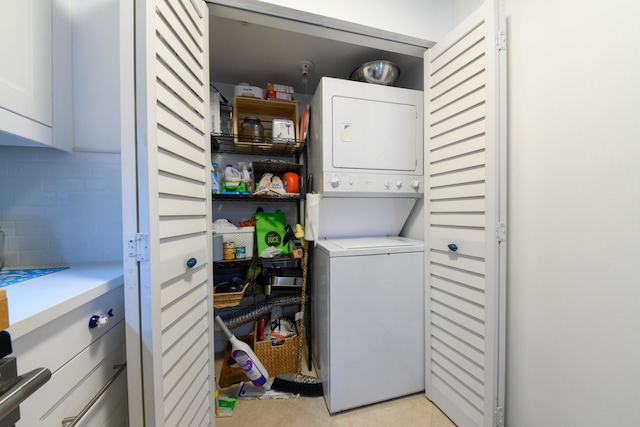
(334, 181)
(415, 184)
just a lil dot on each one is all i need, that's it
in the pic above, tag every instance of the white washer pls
(368, 319)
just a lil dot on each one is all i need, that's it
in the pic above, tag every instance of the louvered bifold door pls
(464, 195)
(174, 190)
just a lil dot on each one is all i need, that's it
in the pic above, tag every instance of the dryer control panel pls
(380, 184)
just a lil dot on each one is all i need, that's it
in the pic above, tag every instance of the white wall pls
(425, 19)
(573, 321)
(60, 208)
(463, 8)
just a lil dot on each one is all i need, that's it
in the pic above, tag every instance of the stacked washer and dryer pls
(366, 170)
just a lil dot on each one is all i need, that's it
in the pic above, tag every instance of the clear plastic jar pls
(251, 130)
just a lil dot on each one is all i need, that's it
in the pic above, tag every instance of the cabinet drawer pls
(112, 407)
(54, 344)
(73, 386)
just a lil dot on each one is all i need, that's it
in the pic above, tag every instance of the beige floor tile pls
(439, 419)
(414, 410)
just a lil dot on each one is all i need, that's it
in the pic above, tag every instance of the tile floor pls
(414, 410)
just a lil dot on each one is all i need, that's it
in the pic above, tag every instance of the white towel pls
(312, 217)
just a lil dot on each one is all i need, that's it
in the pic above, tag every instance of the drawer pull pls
(100, 321)
(192, 262)
(20, 388)
(73, 421)
(452, 247)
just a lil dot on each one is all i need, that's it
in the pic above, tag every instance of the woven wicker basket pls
(277, 359)
(229, 299)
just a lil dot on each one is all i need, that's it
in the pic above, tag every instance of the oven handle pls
(24, 386)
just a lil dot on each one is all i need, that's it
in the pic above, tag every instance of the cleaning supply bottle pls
(231, 174)
(215, 179)
(246, 358)
(244, 172)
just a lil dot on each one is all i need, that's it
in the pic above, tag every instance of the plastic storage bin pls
(242, 237)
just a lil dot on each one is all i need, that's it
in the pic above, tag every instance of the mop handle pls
(224, 328)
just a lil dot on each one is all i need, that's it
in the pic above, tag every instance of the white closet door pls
(173, 338)
(466, 199)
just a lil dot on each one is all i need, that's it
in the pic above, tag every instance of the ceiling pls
(241, 51)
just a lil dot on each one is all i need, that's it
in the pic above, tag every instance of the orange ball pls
(291, 182)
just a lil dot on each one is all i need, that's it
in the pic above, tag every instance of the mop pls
(298, 383)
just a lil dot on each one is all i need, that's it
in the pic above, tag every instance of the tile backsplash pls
(59, 208)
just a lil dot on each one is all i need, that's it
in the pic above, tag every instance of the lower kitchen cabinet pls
(88, 384)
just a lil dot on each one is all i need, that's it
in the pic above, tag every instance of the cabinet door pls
(168, 286)
(25, 68)
(466, 196)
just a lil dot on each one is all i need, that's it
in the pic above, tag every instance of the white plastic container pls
(243, 89)
(244, 172)
(232, 174)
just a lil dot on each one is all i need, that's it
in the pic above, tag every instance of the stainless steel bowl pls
(379, 72)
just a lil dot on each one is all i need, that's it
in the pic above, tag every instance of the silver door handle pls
(21, 387)
(73, 421)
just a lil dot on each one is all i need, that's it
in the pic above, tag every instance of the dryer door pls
(374, 134)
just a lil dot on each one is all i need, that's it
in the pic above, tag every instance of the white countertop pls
(35, 302)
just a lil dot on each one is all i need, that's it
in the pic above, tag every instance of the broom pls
(304, 385)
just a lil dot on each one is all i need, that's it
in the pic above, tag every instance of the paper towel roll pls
(312, 217)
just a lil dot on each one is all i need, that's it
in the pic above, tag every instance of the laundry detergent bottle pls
(215, 179)
(232, 174)
(246, 358)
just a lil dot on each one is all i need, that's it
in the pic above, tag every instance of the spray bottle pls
(245, 175)
(246, 358)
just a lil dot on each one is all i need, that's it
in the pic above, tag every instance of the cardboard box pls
(279, 88)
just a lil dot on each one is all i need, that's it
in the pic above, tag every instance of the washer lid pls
(371, 242)
(370, 245)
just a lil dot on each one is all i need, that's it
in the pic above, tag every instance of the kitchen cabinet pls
(35, 74)
(87, 364)
(59, 78)
(96, 76)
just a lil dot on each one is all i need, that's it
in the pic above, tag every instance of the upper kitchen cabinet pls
(96, 75)
(59, 75)
(35, 61)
